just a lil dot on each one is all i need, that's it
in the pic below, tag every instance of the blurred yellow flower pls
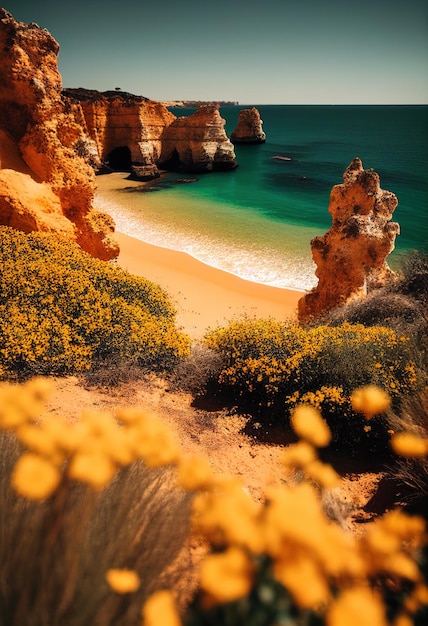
(305, 581)
(35, 477)
(409, 445)
(123, 580)
(298, 455)
(323, 474)
(195, 473)
(308, 424)
(93, 468)
(227, 576)
(39, 440)
(160, 610)
(357, 607)
(370, 400)
(153, 441)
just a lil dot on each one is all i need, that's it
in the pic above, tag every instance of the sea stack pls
(249, 129)
(197, 143)
(44, 184)
(351, 256)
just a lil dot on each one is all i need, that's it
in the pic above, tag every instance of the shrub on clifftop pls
(276, 365)
(63, 311)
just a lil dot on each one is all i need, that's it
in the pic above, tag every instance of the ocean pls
(257, 221)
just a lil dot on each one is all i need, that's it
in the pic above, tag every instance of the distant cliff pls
(44, 184)
(198, 143)
(124, 129)
(52, 141)
(128, 131)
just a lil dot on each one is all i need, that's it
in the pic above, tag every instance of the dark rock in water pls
(143, 172)
(249, 129)
(187, 180)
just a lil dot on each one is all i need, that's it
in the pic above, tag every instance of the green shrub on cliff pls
(63, 311)
(278, 365)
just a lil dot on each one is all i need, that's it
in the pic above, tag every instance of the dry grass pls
(54, 554)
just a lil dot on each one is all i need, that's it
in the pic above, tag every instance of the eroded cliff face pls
(198, 143)
(249, 128)
(125, 129)
(351, 256)
(44, 184)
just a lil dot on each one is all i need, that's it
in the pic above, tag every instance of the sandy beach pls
(205, 297)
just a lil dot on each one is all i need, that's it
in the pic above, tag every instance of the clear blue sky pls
(275, 51)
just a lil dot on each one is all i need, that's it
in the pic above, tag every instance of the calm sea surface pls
(257, 221)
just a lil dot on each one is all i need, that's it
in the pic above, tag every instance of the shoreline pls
(205, 297)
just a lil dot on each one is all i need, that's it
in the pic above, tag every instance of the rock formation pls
(197, 143)
(249, 128)
(44, 184)
(126, 130)
(350, 257)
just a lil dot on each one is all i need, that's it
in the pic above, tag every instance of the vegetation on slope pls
(63, 311)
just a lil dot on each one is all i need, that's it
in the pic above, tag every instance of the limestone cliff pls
(125, 129)
(249, 128)
(351, 256)
(198, 143)
(44, 184)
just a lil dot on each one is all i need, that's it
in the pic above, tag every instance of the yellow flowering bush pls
(279, 560)
(90, 515)
(62, 311)
(269, 367)
(292, 565)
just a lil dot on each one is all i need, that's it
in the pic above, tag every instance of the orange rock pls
(198, 143)
(38, 138)
(249, 128)
(351, 256)
(117, 120)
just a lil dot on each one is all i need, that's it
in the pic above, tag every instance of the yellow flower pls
(229, 515)
(409, 445)
(123, 580)
(357, 607)
(93, 468)
(39, 440)
(305, 581)
(160, 610)
(153, 441)
(308, 424)
(227, 576)
(323, 474)
(370, 400)
(298, 455)
(195, 473)
(35, 477)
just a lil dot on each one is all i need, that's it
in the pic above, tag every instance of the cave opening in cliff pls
(119, 159)
(173, 162)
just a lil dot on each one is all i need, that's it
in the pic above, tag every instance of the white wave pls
(250, 262)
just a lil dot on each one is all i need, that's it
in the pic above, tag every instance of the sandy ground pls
(204, 296)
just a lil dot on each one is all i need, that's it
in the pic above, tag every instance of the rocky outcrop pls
(125, 129)
(249, 128)
(197, 143)
(351, 256)
(44, 183)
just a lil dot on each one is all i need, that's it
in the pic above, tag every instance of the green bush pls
(276, 365)
(63, 311)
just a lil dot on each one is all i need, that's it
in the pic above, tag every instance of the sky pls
(269, 52)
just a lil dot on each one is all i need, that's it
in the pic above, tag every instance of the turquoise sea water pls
(257, 221)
